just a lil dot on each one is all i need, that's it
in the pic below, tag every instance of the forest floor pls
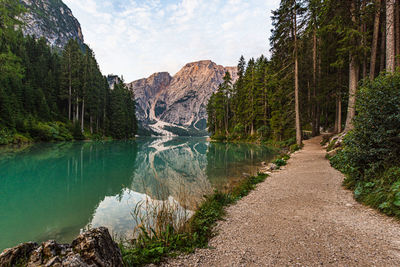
(301, 215)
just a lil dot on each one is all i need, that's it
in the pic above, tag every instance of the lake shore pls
(301, 215)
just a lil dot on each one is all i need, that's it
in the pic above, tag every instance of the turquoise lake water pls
(55, 191)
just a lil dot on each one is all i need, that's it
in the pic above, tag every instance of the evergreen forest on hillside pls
(48, 95)
(320, 52)
(334, 66)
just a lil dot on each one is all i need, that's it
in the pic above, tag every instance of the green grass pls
(154, 247)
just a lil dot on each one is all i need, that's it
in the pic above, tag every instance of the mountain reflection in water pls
(53, 191)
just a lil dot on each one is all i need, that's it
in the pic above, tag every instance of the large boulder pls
(17, 255)
(96, 247)
(91, 248)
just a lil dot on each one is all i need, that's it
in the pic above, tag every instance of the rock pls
(52, 20)
(333, 152)
(113, 80)
(48, 254)
(17, 255)
(335, 141)
(74, 260)
(272, 167)
(179, 101)
(97, 247)
(91, 248)
(264, 171)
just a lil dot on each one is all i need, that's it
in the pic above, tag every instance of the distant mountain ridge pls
(166, 105)
(176, 105)
(51, 19)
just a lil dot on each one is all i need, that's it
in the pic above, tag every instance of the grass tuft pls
(154, 243)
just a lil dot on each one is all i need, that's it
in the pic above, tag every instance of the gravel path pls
(301, 216)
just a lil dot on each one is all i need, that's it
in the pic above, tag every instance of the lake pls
(55, 191)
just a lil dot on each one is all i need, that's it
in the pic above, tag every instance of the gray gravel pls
(301, 216)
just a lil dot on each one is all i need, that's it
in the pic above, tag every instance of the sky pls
(136, 38)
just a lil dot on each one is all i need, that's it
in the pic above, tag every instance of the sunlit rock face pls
(51, 19)
(177, 105)
(146, 91)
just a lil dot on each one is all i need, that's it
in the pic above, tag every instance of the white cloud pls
(137, 38)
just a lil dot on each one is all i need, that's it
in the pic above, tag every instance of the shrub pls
(42, 132)
(280, 162)
(239, 130)
(218, 137)
(374, 142)
(294, 148)
(77, 132)
(20, 139)
(264, 132)
(64, 134)
(6, 136)
(371, 151)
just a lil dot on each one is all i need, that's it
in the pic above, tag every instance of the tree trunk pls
(383, 47)
(91, 124)
(314, 107)
(296, 81)
(339, 114)
(336, 115)
(252, 102)
(265, 105)
(73, 112)
(83, 115)
(353, 82)
(69, 87)
(318, 119)
(397, 33)
(318, 105)
(390, 38)
(354, 70)
(339, 99)
(375, 36)
(309, 107)
(364, 41)
(77, 110)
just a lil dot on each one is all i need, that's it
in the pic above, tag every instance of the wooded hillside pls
(320, 53)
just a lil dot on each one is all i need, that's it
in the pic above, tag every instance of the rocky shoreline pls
(94, 247)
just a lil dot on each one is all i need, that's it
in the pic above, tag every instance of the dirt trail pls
(301, 216)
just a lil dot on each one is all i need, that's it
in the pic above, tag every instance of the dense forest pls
(49, 95)
(333, 67)
(320, 52)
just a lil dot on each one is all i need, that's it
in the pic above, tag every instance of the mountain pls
(51, 19)
(176, 105)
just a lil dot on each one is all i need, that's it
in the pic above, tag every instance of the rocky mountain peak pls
(159, 78)
(51, 19)
(199, 64)
(178, 103)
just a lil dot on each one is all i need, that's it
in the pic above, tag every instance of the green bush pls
(294, 148)
(371, 151)
(279, 162)
(218, 137)
(265, 132)
(239, 130)
(77, 132)
(20, 139)
(6, 136)
(42, 132)
(64, 134)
